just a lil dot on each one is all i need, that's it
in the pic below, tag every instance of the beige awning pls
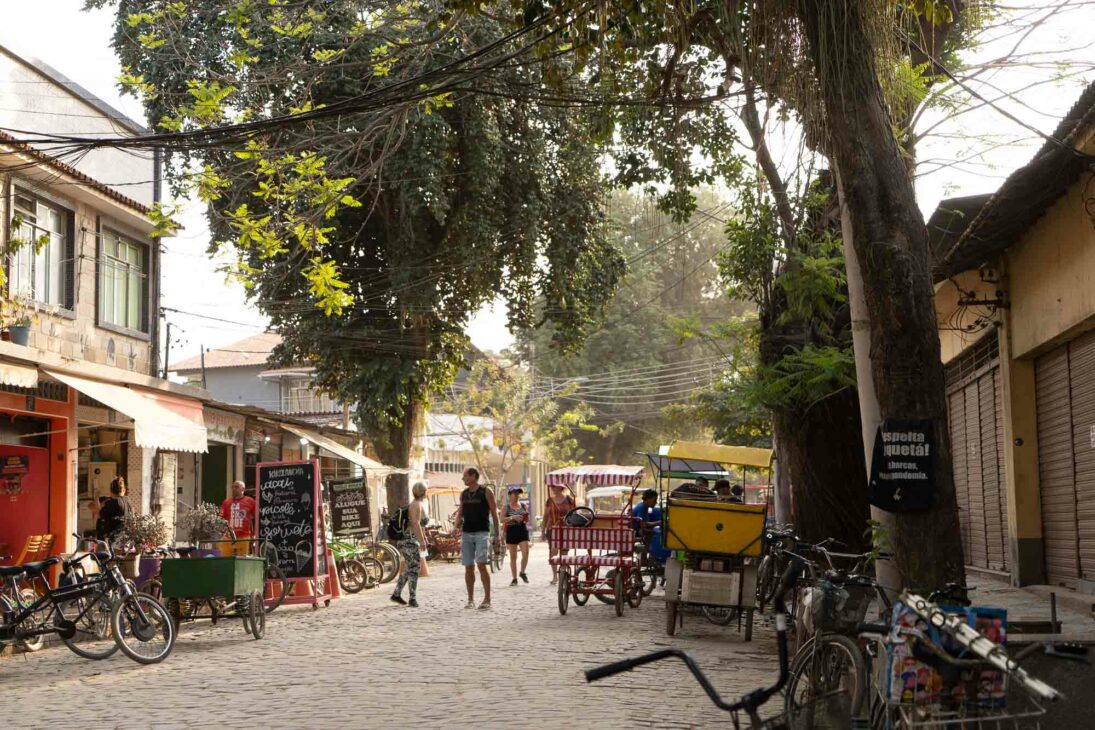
(18, 375)
(343, 452)
(158, 420)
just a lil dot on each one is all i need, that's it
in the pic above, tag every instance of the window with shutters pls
(123, 282)
(41, 267)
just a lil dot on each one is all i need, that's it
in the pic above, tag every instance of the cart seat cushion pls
(609, 561)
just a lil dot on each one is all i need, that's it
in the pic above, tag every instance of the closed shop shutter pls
(1081, 370)
(1055, 466)
(958, 449)
(973, 399)
(1001, 478)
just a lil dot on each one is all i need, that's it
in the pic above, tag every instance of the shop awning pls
(343, 452)
(18, 375)
(157, 419)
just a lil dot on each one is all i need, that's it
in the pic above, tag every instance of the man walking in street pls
(474, 516)
(239, 512)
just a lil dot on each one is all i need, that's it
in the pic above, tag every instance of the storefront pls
(36, 471)
(205, 477)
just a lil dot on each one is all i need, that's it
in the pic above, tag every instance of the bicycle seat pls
(31, 569)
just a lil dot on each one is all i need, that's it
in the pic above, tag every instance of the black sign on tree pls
(349, 507)
(902, 479)
(287, 515)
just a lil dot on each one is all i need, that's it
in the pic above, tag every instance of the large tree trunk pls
(821, 448)
(397, 452)
(891, 248)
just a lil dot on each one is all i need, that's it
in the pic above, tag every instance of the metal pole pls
(203, 366)
(167, 349)
(1053, 613)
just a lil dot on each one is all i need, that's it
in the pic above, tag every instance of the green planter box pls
(211, 577)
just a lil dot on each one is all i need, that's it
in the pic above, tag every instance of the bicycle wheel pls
(634, 588)
(256, 616)
(827, 684)
(275, 588)
(720, 615)
(37, 620)
(352, 576)
(85, 627)
(152, 587)
(649, 574)
(618, 592)
(766, 581)
(610, 578)
(374, 570)
(389, 557)
(564, 591)
(582, 598)
(143, 628)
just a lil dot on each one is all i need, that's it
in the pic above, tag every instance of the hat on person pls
(515, 488)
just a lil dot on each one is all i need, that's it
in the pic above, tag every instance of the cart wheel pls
(174, 608)
(327, 603)
(582, 598)
(256, 616)
(634, 588)
(564, 591)
(670, 617)
(618, 592)
(609, 579)
(749, 625)
(720, 615)
(243, 610)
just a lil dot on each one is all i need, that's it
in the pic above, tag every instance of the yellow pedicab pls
(716, 545)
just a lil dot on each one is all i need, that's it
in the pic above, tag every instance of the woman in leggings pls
(412, 546)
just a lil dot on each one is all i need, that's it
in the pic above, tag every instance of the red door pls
(24, 496)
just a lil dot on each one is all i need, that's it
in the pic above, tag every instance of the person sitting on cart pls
(726, 493)
(647, 514)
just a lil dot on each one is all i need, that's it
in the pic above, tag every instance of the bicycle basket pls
(579, 517)
(840, 609)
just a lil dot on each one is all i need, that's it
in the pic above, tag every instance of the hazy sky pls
(78, 44)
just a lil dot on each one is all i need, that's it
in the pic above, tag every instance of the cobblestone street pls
(366, 662)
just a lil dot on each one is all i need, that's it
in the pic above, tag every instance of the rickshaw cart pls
(611, 536)
(716, 545)
(228, 587)
(595, 548)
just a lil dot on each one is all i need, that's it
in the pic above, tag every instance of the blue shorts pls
(473, 548)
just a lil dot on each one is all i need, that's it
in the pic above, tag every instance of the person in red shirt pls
(239, 512)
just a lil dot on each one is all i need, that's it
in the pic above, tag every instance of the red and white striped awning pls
(595, 475)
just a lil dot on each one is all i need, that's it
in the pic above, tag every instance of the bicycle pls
(355, 568)
(93, 616)
(750, 703)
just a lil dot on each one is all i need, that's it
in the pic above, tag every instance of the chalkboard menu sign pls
(288, 496)
(349, 507)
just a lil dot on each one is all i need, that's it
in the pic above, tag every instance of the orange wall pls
(62, 461)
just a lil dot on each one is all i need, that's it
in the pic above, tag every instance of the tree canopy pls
(373, 213)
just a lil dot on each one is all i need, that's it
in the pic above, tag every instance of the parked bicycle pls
(751, 703)
(93, 615)
(357, 569)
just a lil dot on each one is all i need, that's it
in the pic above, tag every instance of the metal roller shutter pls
(1081, 369)
(957, 403)
(975, 478)
(1001, 478)
(973, 400)
(990, 472)
(1055, 466)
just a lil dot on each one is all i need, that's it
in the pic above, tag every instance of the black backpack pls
(397, 525)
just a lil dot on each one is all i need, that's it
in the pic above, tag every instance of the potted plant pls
(18, 315)
(139, 534)
(204, 524)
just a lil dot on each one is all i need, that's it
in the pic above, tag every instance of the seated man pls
(722, 490)
(647, 513)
